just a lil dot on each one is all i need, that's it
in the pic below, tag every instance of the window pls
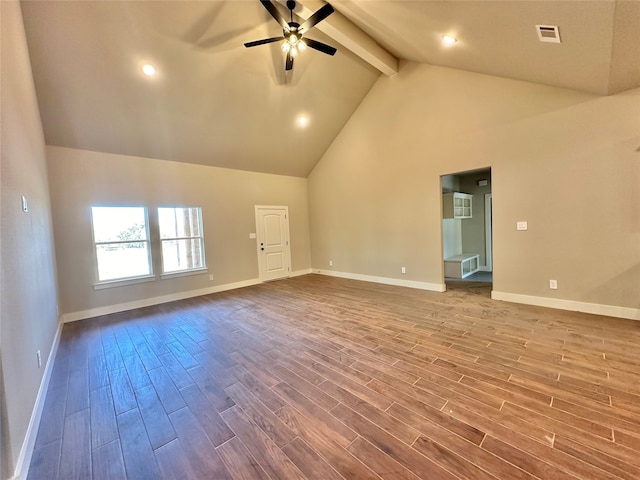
(181, 237)
(121, 240)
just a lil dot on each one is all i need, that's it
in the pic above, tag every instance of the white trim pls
(184, 273)
(121, 307)
(26, 452)
(298, 273)
(488, 233)
(594, 308)
(123, 282)
(435, 287)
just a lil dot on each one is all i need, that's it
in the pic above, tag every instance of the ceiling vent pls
(548, 33)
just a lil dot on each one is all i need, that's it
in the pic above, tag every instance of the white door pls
(274, 254)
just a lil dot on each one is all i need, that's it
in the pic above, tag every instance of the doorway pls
(467, 240)
(274, 252)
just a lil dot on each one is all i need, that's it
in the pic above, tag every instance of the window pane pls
(182, 255)
(115, 224)
(122, 260)
(179, 222)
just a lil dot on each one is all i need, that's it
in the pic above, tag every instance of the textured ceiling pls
(216, 103)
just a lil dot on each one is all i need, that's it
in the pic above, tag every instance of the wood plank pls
(318, 418)
(154, 417)
(210, 387)
(78, 393)
(210, 420)
(258, 412)
(378, 461)
(175, 370)
(200, 452)
(340, 459)
(98, 374)
(104, 428)
(259, 389)
(75, 456)
(183, 356)
(275, 463)
(138, 376)
(121, 390)
(108, 463)
(139, 459)
(45, 462)
(52, 420)
(397, 450)
(166, 390)
(309, 462)
(239, 462)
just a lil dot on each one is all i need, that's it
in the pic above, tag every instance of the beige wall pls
(80, 178)
(28, 319)
(564, 161)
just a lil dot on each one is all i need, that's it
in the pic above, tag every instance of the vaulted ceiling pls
(215, 102)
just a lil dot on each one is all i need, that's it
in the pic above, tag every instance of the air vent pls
(548, 33)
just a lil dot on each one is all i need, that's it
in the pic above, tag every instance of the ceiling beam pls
(343, 31)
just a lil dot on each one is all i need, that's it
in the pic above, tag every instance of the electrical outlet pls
(331, 263)
(39, 359)
(521, 226)
(404, 270)
(553, 284)
(210, 277)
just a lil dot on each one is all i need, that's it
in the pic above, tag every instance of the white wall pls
(28, 285)
(80, 178)
(562, 160)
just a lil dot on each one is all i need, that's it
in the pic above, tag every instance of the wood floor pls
(323, 378)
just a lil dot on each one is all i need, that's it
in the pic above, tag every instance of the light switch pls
(252, 236)
(521, 226)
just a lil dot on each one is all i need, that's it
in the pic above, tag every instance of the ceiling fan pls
(292, 32)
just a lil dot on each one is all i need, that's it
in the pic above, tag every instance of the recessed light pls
(303, 120)
(449, 40)
(148, 69)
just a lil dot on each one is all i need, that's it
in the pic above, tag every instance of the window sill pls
(184, 273)
(123, 282)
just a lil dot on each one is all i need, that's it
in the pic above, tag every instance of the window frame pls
(121, 281)
(186, 271)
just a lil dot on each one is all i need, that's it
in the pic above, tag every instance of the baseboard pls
(594, 308)
(298, 273)
(435, 287)
(26, 452)
(147, 302)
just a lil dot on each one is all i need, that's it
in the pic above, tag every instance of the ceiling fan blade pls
(318, 16)
(255, 43)
(289, 62)
(321, 47)
(271, 8)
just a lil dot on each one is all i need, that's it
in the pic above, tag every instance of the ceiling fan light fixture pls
(148, 69)
(292, 32)
(448, 40)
